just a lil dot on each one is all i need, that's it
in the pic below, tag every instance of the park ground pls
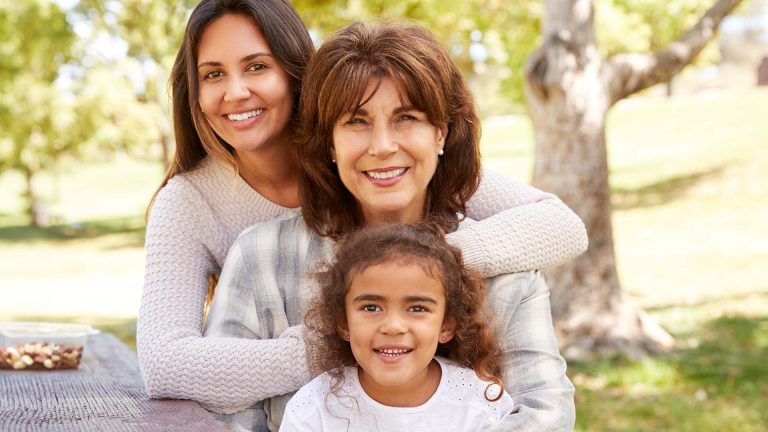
(689, 183)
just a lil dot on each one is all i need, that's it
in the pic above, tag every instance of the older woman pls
(390, 134)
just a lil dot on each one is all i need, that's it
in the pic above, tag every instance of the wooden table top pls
(105, 393)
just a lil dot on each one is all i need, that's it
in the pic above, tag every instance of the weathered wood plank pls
(105, 393)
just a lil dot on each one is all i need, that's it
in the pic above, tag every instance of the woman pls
(389, 134)
(235, 83)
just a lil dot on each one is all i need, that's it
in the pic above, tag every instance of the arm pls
(226, 374)
(520, 228)
(534, 371)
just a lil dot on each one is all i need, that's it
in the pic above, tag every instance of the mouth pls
(386, 174)
(245, 115)
(392, 352)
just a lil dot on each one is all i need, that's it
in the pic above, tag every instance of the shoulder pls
(310, 399)
(465, 388)
(275, 234)
(187, 190)
(524, 283)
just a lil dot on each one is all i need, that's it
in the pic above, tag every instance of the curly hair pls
(474, 344)
(335, 84)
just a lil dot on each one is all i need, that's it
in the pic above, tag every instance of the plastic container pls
(42, 346)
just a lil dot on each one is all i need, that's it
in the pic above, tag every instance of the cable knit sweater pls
(198, 215)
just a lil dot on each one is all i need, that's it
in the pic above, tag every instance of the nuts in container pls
(42, 346)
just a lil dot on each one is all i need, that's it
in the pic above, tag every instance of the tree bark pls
(569, 88)
(31, 199)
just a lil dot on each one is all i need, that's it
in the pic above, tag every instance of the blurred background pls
(85, 136)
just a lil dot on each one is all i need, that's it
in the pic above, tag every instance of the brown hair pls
(335, 84)
(291, 46)
(474, 344)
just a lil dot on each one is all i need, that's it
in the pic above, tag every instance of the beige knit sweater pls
(197, 216)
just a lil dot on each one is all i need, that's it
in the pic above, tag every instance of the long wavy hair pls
(474, 344)
(335, 84)
(290, 44)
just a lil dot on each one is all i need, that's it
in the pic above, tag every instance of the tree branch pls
(630, 73)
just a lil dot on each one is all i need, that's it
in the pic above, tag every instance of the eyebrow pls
(401, 109)
(408, 299)
(245, 59)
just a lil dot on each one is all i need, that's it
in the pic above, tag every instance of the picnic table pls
(105, 393)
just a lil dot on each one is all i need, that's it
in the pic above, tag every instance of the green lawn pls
(689, 183)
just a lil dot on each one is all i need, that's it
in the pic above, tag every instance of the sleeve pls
(520, 228)
(280, 362)
(225, 374)
(533, 370)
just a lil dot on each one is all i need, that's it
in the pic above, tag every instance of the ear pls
(343, 330)
(448, 329)
(443, 134)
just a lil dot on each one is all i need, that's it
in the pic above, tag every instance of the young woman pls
(389, 134)
(236, 82)
(399, 327)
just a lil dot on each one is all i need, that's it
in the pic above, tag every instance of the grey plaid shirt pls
(266, 286)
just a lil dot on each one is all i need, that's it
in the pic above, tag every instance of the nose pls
(383, 140)
(236, 90)
(393, 324)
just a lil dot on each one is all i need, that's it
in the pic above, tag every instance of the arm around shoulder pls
(519, 228)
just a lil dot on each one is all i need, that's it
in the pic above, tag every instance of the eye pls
(355, 121)
(371, 308)
(213, 75)
(257, 67)
(406, 118)
(418, 308)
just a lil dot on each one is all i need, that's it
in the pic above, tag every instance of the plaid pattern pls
(265, 289)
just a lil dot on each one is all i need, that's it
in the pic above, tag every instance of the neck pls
(407, 216)
(412, 394)
(272, 173)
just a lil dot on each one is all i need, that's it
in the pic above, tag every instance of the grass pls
(690, 229)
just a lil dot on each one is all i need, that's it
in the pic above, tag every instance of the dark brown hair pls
(335, 84)
(474, 344)
(290, 44)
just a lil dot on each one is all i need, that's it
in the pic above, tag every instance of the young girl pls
(398, 326)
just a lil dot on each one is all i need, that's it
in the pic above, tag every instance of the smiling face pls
(394, 321)
(386, 154)
(244, 93)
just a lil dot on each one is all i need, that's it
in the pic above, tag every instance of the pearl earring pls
(333, 160)
(440, 152)
(442, 339)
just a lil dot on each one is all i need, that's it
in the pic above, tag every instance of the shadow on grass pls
(718, 383)
(661, 192)
(132, 226)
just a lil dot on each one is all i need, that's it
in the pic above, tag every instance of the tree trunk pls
(30, 196)
(569, 88)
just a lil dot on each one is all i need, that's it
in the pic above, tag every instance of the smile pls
(245, 115)
(384, 175)
(393, 352)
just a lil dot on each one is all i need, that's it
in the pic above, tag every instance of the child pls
(398, 327)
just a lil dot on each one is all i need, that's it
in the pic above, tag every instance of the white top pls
(459, 404)
(196, 218)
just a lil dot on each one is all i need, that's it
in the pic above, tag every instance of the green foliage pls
(507, 29)
(648, 25)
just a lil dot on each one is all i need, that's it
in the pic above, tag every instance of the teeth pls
(245, 115)
(383, 175)
(393, 351)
